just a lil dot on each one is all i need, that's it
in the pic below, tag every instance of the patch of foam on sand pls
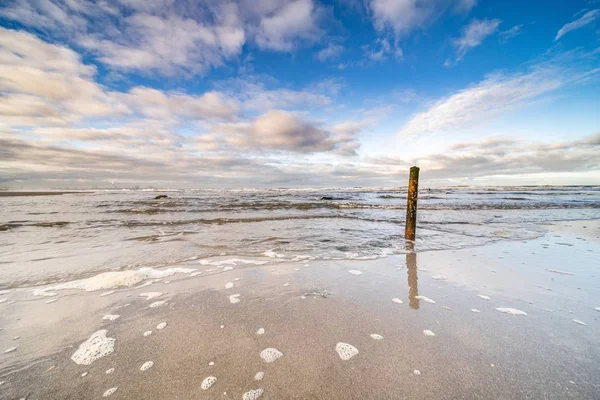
(579, 322)
(270, 354)
(439, 277)
(447, 308)
(147, 333)
(110, 392)
(228, 285)
(112, 279)
(151, 295)
(10, 350)
(376, 336)
(147, 365)
(259, 376)
(110, 371)
(51, 301)
(560, 272)
(483, 296)
(161, 326)
(511, 311)
(346, 351)
(110, 317)
(425, 299)
(475, 310)
(272, 254)
(107, 293)
(158, 303)
(260, 331)
(227, 269)
(253, 394)
(427, 332)
(208, 382)
(397, 300)
(231, 261)
(355, 272)
(96, 347)
(234, 298)
(417, 372)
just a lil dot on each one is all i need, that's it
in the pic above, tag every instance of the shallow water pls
(61, 238)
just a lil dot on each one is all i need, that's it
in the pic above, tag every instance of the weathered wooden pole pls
(411, 204)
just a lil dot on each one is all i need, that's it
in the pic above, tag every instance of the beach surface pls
(511, 319)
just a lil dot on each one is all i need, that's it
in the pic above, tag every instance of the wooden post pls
(411, 204)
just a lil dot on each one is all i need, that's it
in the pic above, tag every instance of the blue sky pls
(298, 92)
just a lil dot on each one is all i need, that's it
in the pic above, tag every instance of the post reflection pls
(411, 270)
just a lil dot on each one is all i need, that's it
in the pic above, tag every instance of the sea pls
(58, 238)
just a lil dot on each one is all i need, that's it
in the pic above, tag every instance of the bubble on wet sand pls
(579, 322)
(270, 354)
(417, 372)
(427, 332)
(222, 326)
(162, 325)
(483, 296)
(425, 299)
(96, 347)
(110, 371)
(259, 376)
(228, 285)
(376, 336)
(147, 333)
(511, 311)
(51, 301)
(397, 300)
(147, 365)
(253, 394)
(211, 363)
(346, 351)
(237, 279)
(151, 295)
(84, 374)
(439, 277)
(110, 317)
(196, 273)
(208, 382)
(475, 310)
(286, 284)
(447, 308)
(110, 391)
(11, 349)
(234, 298)
(158, 303)
(107, 293)
(355, 272)
(260, 331)
(227, 269)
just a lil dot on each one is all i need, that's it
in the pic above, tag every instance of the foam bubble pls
(11, 349)
(417, 372)
(355, 272)
(228, 285)
(227, 269)
(158, 303)
(397, 300)
(376, 336)
(579, 322)
(112, 279)
(234, 298)
(211, 363)
(260, 331)
(272, 254)
(147, 365)
(447, 308)
(439, 277)
(208, 382)
(110, 391)
(597, 308)
(196, 273)
(511, 311)
(147, 333)
(270, 354)
(151, 295)
(110, 317)
(51, 301)
(286, 284)
(425, 299)
(427, 332)
(162, 325)
(483, 296)
(107, 293)
(84, 374)
(96, 347)
(252, 394)
(3, 300)
(475, 310)
(346, 351)
(110, 371)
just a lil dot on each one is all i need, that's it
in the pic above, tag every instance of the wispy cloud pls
(473, 34)
(506, 35)
(329, 53)
(580, 22)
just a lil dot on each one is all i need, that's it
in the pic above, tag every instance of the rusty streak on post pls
(411, 204)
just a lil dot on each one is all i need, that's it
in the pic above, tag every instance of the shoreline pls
(306, 310)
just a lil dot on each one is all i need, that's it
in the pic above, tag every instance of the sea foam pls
(110, 391)
(511, 311)
(147, 365)
(253, 394)
(96, 347)
(270, 354)
(425, 299)
(208, 382)
(346, 351)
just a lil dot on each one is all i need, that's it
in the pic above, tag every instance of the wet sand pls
(307, 308)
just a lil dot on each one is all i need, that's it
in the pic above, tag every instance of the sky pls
(298, 93)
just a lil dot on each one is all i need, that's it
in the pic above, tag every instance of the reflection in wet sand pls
(411, 268)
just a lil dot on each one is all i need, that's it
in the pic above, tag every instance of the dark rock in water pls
(161, 196)
(332, 198)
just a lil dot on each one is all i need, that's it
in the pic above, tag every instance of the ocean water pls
(60, 238)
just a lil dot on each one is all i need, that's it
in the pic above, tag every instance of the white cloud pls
(582, 21)
(506, 35)
(473, 34)
(329, 53)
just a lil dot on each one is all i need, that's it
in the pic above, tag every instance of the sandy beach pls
(439, 324)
